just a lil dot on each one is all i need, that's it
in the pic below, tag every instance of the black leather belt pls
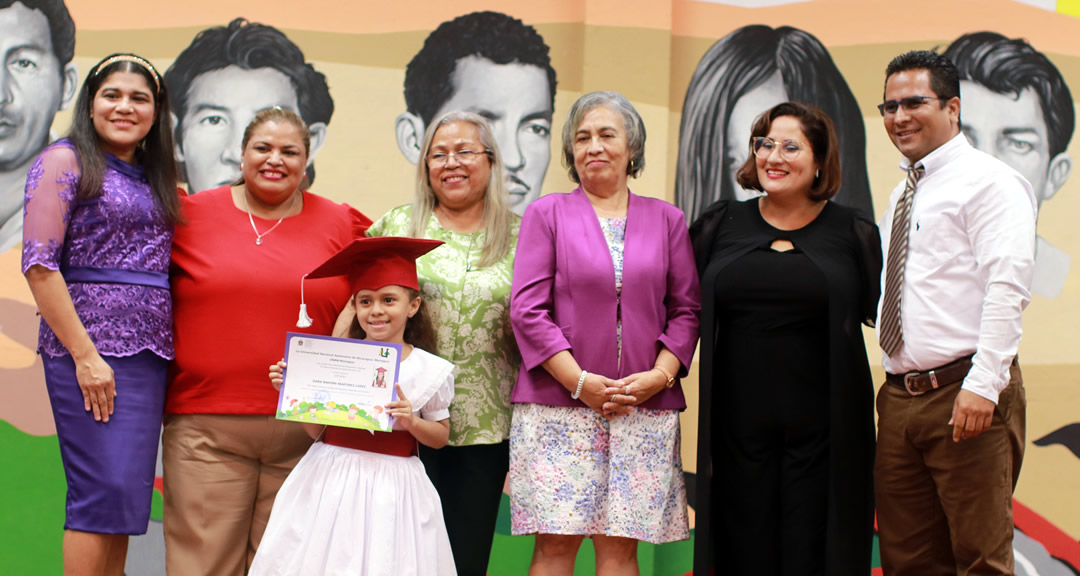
(918, 383)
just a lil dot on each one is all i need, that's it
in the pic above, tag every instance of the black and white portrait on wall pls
(37, 40)
(496, 66)
(742, 75)
(222, 80)
(1016, 106)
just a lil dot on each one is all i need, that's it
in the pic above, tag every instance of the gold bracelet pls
(670, 378)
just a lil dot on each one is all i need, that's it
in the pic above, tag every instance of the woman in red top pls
(235, 264)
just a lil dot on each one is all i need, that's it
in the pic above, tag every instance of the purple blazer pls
(563, 295)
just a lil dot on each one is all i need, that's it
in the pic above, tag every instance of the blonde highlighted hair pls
(497, 215)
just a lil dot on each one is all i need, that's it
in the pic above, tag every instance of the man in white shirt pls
(959, 265)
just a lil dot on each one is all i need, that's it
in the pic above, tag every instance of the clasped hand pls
(612, 397)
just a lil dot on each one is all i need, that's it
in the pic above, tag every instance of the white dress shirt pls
(970, 262)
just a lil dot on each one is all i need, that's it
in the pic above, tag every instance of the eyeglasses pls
(463, 156)
(763, 147)
(909, 104)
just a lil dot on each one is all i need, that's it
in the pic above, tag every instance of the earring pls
(818, 173)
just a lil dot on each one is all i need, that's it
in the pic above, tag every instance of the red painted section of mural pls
(1059, 544)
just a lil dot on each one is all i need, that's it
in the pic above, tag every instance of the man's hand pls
(971, 415)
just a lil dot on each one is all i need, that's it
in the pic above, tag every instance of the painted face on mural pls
(221, 104)
(1012, 128)
(743, 113)
(516, 100)
(32, 85)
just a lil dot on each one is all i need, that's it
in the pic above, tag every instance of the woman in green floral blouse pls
(462, 199)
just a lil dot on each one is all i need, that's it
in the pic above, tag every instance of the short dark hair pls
(733, 67)
(819, 130)
(249, 46)
(1010, 66)
(155, 152)
(493, 36)
(944, 80)
(61, 26)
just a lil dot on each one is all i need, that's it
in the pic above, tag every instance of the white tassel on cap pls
(304, 321)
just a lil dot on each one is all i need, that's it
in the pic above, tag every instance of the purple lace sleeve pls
(110, 250)
(47, 206)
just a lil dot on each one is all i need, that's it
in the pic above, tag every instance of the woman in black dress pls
(786, 280)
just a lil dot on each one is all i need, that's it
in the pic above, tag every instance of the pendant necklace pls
(259, 237)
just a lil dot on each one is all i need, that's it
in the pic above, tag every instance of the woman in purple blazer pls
(604, 308)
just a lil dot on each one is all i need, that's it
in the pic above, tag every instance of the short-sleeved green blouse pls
(471, 308)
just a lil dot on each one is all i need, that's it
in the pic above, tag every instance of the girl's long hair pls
(419, 330)
(155, 153)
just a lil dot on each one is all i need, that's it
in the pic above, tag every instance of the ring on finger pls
(627, 390)
(613, 397)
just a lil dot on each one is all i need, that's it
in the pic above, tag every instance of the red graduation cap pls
(370, 264)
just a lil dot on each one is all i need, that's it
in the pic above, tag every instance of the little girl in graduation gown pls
(360, 503)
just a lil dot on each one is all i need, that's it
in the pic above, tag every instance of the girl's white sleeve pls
(438, 407)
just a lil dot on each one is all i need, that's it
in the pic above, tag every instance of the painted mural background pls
(349, 79)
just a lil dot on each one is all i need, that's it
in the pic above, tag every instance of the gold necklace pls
(258, 236)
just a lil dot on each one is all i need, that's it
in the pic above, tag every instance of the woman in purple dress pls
(99, 212)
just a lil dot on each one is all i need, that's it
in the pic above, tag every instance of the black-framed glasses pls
(463, 156)
(909, 104)
(763, 147)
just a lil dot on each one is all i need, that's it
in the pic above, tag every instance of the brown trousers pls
(221, 474)
(945, 508)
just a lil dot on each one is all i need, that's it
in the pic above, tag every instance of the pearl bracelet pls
(580, 383)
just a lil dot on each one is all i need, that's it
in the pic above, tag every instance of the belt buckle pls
(908, 379)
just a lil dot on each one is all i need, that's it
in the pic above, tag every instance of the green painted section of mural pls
(32, 523)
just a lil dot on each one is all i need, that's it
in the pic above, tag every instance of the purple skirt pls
(109, 466)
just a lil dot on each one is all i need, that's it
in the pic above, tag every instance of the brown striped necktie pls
(892, 333)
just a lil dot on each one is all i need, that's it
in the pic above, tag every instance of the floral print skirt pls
(572, 471)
